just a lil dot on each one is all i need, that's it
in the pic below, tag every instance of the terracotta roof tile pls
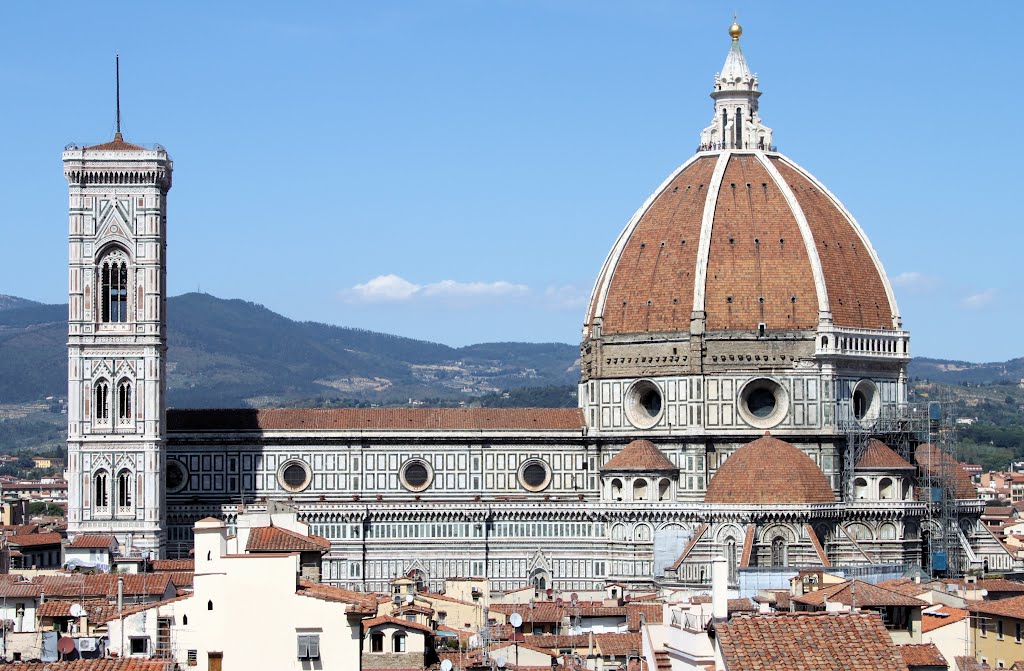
(387, 619)
(125, 664)
(639, 455)
(173, 565)
(276, 539)
(376, 419)
(832, 642)
(769, 471)
(930, 458)
(102, 584)
(970, 664)
(140, 607)
(550, 641)
(87, 541)
(117, 144)
(1009, 607)
(922, 654)
(32, 540)
(864, 593)
(939, 616)
(618, 644)
(361, 602)
(879, 456)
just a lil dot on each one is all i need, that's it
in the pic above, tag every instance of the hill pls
(235, 353)
(11, 302)
(957, 372)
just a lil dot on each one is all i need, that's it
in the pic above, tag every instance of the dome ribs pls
(756, 265)
(856, 290)
(651, 286)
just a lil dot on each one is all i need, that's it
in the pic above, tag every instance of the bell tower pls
(117, 340)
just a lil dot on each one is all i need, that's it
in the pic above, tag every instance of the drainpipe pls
(120, 611)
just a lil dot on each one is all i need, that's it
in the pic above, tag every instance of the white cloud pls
(915, 281)
(979, 300)
(566, 297)
(392, 288)
(383, 289)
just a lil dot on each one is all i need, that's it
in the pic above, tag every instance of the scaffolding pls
(906, 428)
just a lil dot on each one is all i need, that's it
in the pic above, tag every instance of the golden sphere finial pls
(735, 30)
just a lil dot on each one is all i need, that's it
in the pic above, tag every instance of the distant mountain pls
(956, 372)
(11, 302)
(235, 353)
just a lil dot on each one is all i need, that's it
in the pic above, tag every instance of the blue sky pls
(457, 171)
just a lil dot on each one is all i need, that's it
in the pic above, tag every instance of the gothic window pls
(124, 402)
(101, 491)
(113, 294)
(124, 490)
(642, 532)
(101, 401)
(730, 555)
(778, 551)
(888, 532)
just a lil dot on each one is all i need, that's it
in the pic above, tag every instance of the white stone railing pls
(863, 343)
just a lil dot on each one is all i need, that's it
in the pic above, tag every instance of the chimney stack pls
(719, 588)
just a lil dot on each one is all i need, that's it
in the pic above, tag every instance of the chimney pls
(719, 589)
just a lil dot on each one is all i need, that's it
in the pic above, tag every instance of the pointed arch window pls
(101, 491)
(124, 490)
(778, 551)
(113, 294)
(101, 401)
(124, 402)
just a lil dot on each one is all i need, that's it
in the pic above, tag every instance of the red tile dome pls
(769, 471)
(746, 237)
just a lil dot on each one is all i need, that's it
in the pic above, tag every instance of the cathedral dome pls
(738, 237)
(769, 471)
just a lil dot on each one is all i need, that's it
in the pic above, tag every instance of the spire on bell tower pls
(736, 124)
(117, 93)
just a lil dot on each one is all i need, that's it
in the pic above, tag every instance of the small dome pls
(639, 455)
(769, 471)
(878, 456)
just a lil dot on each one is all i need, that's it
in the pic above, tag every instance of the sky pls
(457, 171)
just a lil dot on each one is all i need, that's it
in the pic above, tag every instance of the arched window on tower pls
(124, 402)
(739, 128)
(124, 490)
(101, 491)
(778, 551)
(860, 488)
(113, 294)
(640, 489)
(616, 490)
(101, 401)
(664, 489)
(886, 490)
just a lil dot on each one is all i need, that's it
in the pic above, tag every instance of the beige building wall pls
(998, 647)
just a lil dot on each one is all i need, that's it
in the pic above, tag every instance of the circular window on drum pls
(294, 475)
(534, 475)
(643, 404)
(864, 402)
(175, 476)
(763, 403)
(416, 475)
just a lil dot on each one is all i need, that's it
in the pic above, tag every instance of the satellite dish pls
(628, 598)
(446, 665)
(549, 591)
(65, 645)
(574, 597)
(559, 601)
(516, 620)
(500, 661)
(76, 610)
(474, 641)
(408, 598)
